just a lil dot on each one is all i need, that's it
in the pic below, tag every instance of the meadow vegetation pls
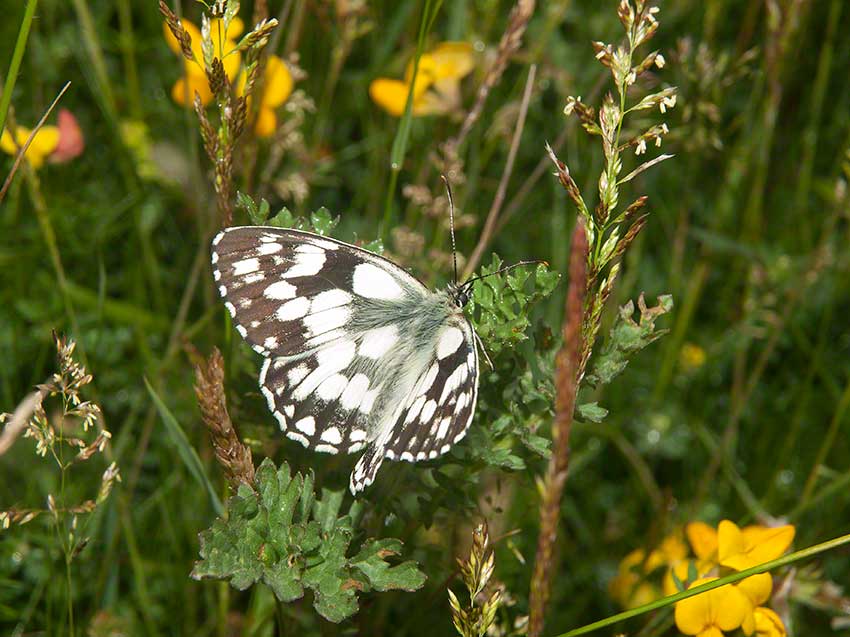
(662, 440)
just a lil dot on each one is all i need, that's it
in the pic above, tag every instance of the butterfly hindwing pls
(436, 412)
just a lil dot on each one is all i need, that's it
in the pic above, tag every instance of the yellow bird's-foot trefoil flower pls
(436, 90)
(195, 78)
(277, 87)
(712, 613)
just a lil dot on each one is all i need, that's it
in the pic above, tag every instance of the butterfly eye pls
(462, 298)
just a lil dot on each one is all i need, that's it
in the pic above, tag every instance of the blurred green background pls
(739, 412)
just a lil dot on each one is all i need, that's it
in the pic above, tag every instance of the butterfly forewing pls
(290, 291)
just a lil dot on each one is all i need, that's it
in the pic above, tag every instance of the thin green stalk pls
(399, 148)
(826, 445)
(791, 558)
(15, 64)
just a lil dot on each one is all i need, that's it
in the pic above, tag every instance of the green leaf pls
(283, 219)
(186, 451)
(281, 535)
(592, 412)
(371, 562)
(627, 337)
(323, 221)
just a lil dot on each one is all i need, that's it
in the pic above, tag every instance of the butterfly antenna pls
(451, 221)
(504, 269)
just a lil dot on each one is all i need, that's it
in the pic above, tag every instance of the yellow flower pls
(768, 623)
(691, 356)
(436, 90)
(629, 587)
(757, 590)
(671, 551)
(711, 613)
(277, 87)
(682, 571)
(224, 48)
(703, 540)
(741, 549)
(43, 144)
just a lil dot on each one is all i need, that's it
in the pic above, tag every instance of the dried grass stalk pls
(508, 45)
(568, 364)
(234, 457)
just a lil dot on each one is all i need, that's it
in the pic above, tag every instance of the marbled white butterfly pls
(359, 354)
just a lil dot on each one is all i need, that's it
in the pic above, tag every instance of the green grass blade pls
(187, 453)
(399, 148)
(15, 64)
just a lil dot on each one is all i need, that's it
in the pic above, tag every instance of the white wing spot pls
(297, 374)
(230, 308)
(372, 282)
(428, 411)
(450, 340)
(253, 278)
(242, 331)
(270, 342)
(289, 410)
(406, 455)
(353, 395)
(357, 435)
(413, 412)
(433, 454)
(222, 290)
(332, 387)
(214, 257)
(281, 420)
(294, 309)
(245, 266)
(355, 447)
(378, 341)
(368, 401)
(445, 448)
(218, 238)
(390, 454)
(306, 264)
(337, 356)
(332, 435)
(444, 428)
(421, 455)
(297, 437)
(307, 425)
(326, 449)
(280, 291)
(269, 247)
(327, 320)
(321, 243)
(329, 299)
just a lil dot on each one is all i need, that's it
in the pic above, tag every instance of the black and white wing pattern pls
(358, 352)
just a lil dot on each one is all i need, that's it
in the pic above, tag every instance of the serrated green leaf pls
(281, 535)
(326, 510)
(283, 219)
(382, 576)
(323, 221)
(592, 412)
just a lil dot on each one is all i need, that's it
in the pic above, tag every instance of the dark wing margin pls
(291, 291)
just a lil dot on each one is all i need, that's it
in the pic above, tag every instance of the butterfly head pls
(459, 294)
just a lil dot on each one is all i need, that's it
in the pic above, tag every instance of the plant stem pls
(568, 364)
